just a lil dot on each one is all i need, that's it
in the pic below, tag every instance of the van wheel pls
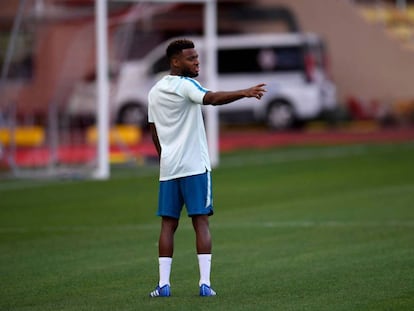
(133, 114)
(280, 116)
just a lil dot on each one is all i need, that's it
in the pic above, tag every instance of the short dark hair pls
(177, 46)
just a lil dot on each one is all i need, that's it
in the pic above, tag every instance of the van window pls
(317, 50)
(250, 60)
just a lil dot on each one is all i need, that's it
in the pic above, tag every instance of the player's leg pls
(197, 194)
(202, 232)
(203, 246)
(170, 203)
(198, 200)
(166, 240)
(169, 208)
(165, 250)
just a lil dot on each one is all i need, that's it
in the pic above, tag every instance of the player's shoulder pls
(158, 85)
(192, 83)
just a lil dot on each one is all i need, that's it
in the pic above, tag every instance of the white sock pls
(165, 270)
(204, 263)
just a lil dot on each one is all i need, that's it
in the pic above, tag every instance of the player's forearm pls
(222, 98)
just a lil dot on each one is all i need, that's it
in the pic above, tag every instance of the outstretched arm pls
(155, 138)
(222, 98)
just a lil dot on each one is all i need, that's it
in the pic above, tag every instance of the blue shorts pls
(195, 192)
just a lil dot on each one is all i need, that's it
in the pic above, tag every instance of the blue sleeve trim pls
(196, 84)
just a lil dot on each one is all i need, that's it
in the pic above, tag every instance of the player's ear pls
(175, 62)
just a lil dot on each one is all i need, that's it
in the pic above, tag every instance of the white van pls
(292, 65)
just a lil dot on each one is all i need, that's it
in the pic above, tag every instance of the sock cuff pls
(164, 259)
(204, 256)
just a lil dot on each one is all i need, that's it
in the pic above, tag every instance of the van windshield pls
(251, 60)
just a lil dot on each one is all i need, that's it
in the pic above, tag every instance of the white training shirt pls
(174, 106)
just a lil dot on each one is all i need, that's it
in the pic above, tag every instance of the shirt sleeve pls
(194, 90)
(150, 118)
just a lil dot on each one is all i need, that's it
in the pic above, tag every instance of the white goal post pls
(102, 115)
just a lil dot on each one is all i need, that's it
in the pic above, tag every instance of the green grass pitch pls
(303, 228)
